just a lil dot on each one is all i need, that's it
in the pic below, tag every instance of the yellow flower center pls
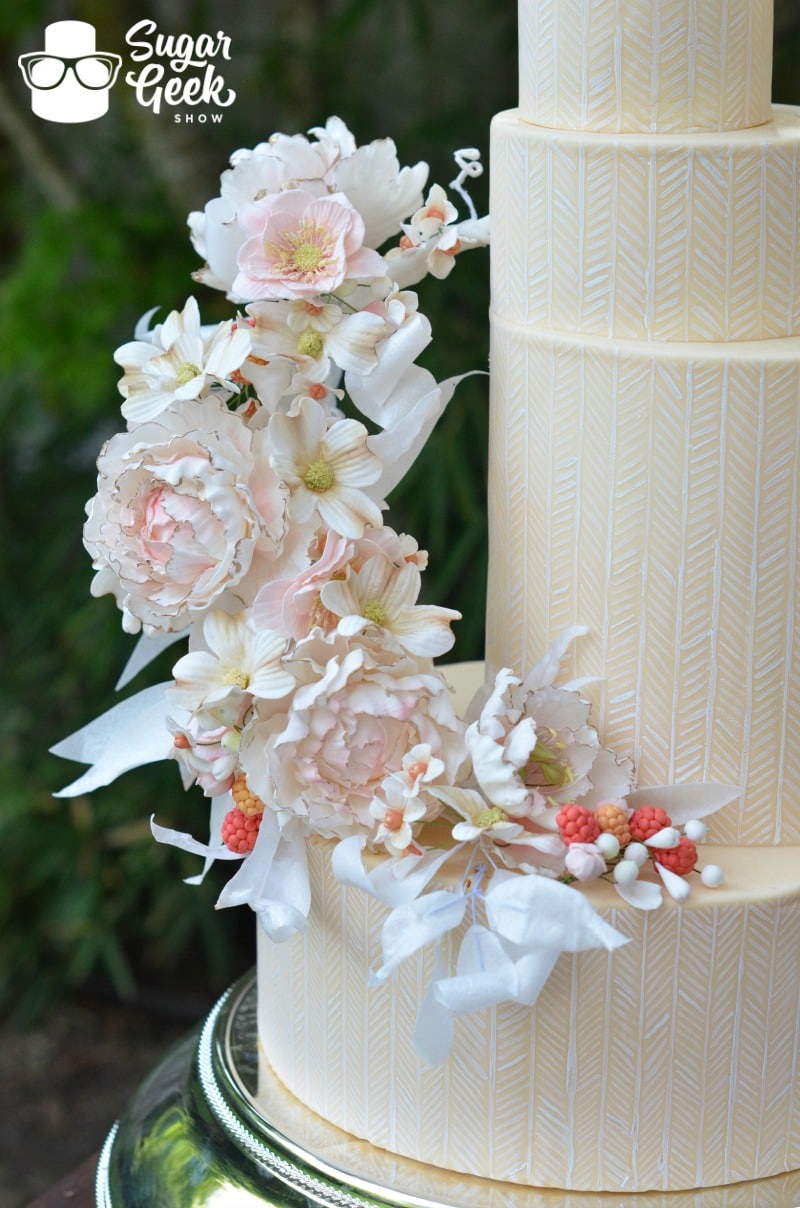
(310, 344)
(237, 679)
(375, 612)
(489, 817)
(186, 372)
(319, 476)
(303, 252)
(306, 257)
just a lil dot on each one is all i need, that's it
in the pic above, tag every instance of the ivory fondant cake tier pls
(671, 1063)
(648, 237)
(652, 491)
(645, 64)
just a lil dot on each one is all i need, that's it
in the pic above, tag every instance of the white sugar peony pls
(185, 505)
(349, 726)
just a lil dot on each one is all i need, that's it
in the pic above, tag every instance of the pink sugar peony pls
(185, 505)
(348, 728)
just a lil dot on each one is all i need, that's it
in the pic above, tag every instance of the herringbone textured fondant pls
(661, 511)
(664, 238)
(624, 66)
(671, 1063)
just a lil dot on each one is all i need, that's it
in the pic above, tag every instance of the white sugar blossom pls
(384, 595)
(316, 338)
(480, 818)
(396, 812)
(420, 767)
(432, 239)
(238, 660)
(325, 467)
(178, 363)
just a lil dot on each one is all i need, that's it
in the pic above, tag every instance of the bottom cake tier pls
(671, 1063)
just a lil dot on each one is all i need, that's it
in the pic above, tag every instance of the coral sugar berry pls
(647, 821)
(680, 859)
(239, 831)
(576, 824)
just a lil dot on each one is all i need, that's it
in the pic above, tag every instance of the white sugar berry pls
(608, 845)
(665, 839)
(626, 872)
(696, 831)
(637, 852)
(712, 876)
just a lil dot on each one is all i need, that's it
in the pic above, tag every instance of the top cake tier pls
(645, 65)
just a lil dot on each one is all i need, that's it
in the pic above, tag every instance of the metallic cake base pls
(213, 1128)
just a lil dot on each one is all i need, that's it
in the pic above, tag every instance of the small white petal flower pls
(324, 466)
(396, 812)
(383, 594)
(479, 818)
(238, 660)
(178, 363)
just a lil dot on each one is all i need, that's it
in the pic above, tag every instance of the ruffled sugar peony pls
(184, 506)
(347, 729)
(300, 246)
(178, 362)
(532, 747)
(324, 466)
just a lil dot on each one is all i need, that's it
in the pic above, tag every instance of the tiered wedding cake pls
(645, 463)
(645, 467)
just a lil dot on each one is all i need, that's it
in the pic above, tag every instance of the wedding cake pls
(488, 944)
(645, 462)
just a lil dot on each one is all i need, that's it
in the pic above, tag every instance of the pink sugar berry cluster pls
(240, 826)
(646, 831)
(576, 824)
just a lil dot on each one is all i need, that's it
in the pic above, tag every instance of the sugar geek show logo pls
(70, 79)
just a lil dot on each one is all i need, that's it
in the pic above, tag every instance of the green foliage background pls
(92, 234)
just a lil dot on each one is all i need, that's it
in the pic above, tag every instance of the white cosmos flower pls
(238, 660)
(383, 594)
(324, 466)
(178, 363)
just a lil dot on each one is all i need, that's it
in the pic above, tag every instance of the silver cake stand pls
(211, 1127)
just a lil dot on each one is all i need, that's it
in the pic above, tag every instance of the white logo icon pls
(69, 80)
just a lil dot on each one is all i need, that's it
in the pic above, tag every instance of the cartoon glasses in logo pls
(45, 71)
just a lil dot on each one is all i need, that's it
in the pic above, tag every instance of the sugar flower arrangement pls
(243, 508)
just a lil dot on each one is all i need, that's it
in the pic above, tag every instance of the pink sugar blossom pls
(301, 246)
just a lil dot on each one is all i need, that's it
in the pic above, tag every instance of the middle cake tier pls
(648, 237)
(650, 492)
